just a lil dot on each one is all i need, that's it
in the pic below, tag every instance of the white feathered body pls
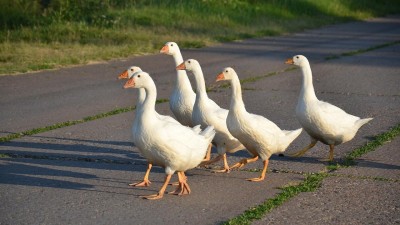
(182, 99)
(259, 135)
(326, 122)
(139, 103)
(173, 146)
(162, 140)
(207, 113)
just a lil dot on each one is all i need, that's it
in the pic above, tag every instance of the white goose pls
(206, 112)
(260, 136)
(165, 142)
(127, 74)
(322, 121)
(182, 97)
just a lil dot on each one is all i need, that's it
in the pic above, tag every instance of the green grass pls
(359, 51)
(70, 123)
(378, 141)
(34, 36)
(4, 156)
(366, 177)
(310, 184)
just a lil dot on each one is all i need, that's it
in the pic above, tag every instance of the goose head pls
(127, 74)
(189, 65)
(298, 60)
(138, 80)
(170, 48)
(227, 74)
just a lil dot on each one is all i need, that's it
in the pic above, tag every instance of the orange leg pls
(160, 194)
(216, 159)
(183, 188)
(178, 183)
(264, 171)
(243, 162)
(146, 182)
(208, 154)
(226, 168)
(304, 150)
(331, 147)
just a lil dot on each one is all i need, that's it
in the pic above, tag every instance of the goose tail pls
(290, 135)
(208, 133)
(361, 122)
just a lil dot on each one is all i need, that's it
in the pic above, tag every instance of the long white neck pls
(307, 90)
(140, 99)
(201, 92)
(182, 80)
(237, 103)
(148, 107)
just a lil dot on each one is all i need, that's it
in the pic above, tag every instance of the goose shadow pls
(58, 174)
(74, 150)
(16, 172)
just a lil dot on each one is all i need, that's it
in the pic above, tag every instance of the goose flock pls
(184, 143)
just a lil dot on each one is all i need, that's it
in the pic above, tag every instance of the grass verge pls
(37, 35)
(4, 156)
(359, 51)
(379, 140)
(313, 181)
(310, 184)
(70, 123)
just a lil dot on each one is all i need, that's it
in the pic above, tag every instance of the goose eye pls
(189, 61)
(297, 57)
(172, 45)
(226, 71)
(138, 75)
(132, 70)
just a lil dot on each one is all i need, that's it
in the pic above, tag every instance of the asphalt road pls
(79, 174)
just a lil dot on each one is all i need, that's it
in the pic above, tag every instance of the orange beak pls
(289, 61)
(164, 49)
(220, 77)
(181, 66)
(123, 75)
(130, 83)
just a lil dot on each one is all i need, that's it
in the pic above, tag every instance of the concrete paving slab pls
(384, 162)
(99, 139)
(376, 73)
(44, 98)
(341, 201)
(66, 192)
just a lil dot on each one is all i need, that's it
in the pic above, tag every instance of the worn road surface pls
(79, 174)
